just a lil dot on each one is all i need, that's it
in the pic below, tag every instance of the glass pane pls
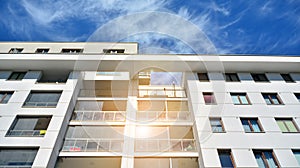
(255, 126)
(274, 99)
(266, 97)
(297, 156)
(246, 126)
(5, 97)
(282, 126)
(291, 127)
(98, 116)
(17, 157)
(25, 124)
(270, 160)
(225, 159)
(259, 160)
(88, 116)
(209, 99)
(244, 99)
(235, 99)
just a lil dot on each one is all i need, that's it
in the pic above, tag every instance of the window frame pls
(239, 94)
(229, 77)
(213, 99)
(226, 151)
(6, 93)
(285, 125)
(221, 123)
(257, 77)
(261, 151)
(252, 130)
(19, 74)
(41, 91)
(41, 132)
(203, 77)
(269, 95)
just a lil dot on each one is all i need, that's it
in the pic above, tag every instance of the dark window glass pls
(113, 51)
(216, 125)
(72, 51)
(297, 155)
(15, 50)
(29, 126)
(239, 98)
(251, 125)
(272, 98)
(265, 158)
(297, 96)
(17, 76)
(226, 158)
(17, 157)
(42, 50)
(42, 99)
(287, 78)
(259, 77)
(231, 77)
(203, 77)
(209, 98)
(5, 96)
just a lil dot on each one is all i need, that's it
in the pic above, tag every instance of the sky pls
(264, 27)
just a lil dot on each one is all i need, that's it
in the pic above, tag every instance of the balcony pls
(99, 116)
(165, 145)
(26, 133)
(92, 145)
(40, 104)
(161, 92)
(103, 93)
(88, 162)
(163, 116)
(105, 105)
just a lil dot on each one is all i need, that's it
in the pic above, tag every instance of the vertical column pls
(129, 133)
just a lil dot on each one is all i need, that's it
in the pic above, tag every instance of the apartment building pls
(104, 105)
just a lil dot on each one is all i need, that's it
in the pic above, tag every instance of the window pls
(286, 125)
(251, 125)
(209, 98)
(239, 98)
(226, 158)
(42, 99)
(259, 78)
(297, 155)
(29, 126)
(15, 50)
(5, 96)
(231, 77)
(17, 76)
(42, 50)
(113, 51)
(72, 51)
(265, 158)
(287, 78)
(272, 98)
(17, 157)
(297, 96)
(203, 77)
(216, 125)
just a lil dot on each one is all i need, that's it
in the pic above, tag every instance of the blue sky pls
(270, 27)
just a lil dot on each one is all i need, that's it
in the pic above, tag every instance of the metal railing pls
(162, 93)
(165, 145)
(26, 133)
(40, 104)
(92, 145)
(163, 116)
(103, 93)
(99, 116)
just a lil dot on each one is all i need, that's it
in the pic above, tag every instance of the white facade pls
(118, 108)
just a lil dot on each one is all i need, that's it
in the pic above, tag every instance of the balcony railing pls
(99, 116)
(103, 93)
(26, 133)
(92, 145)
(40, 104)
(162, 93)
(163, 116)
(165, 145)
